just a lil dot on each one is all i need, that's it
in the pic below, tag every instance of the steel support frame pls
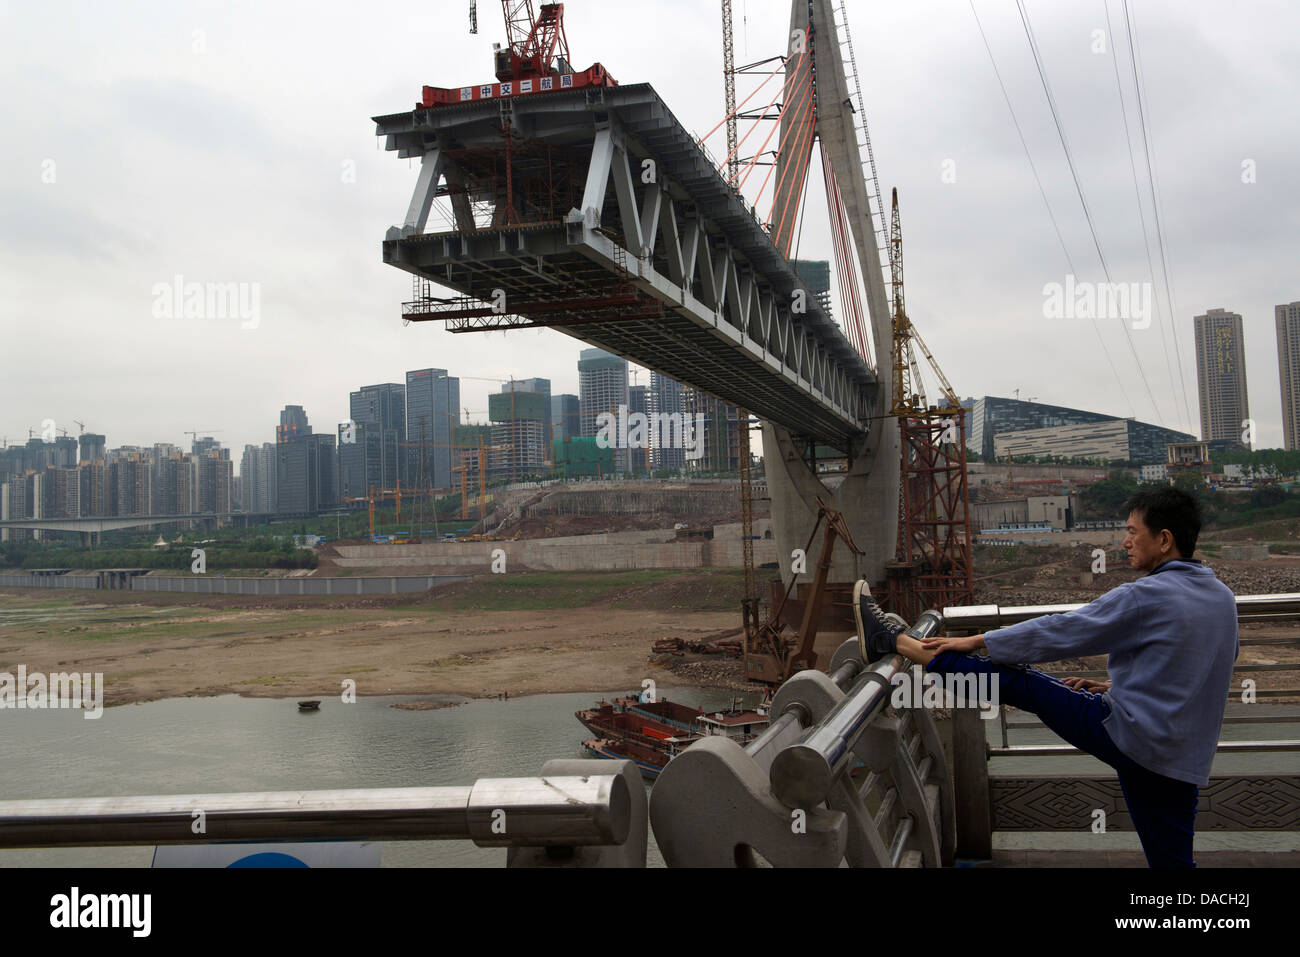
(936, 514)
(673, 256)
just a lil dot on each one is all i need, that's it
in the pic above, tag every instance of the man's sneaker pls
(877, 631)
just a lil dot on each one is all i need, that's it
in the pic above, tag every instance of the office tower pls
(602, 388)
(1288, 371)
(566, 417)
(352, 461)
(293, 423)
(306, 474)
(432, 414)
(381, 409)
(1221, 375)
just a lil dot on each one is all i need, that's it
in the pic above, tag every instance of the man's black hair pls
(1169, 508)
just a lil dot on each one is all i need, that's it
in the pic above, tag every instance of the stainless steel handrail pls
(979, 618)
(494, 812)
(803, 774)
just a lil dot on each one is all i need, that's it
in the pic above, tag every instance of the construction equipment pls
(773, 652)
(534, 60)
(932, 566)
(379, 495)
(749, 602)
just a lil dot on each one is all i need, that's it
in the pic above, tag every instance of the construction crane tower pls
(932, 567)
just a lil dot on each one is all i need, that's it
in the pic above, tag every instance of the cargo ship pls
(652, 733)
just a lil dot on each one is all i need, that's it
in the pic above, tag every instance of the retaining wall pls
(388, 585)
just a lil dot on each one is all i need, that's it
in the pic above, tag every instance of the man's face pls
(1146, 550)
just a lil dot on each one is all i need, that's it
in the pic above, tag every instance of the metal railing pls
(834, 779)
(547, 811)
(990, 803)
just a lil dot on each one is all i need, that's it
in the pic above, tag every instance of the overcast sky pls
(232, 142)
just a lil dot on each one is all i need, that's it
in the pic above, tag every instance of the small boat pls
(650, 761)
(308, 705)
(653, 733)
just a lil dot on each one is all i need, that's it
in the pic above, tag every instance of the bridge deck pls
(675, 274)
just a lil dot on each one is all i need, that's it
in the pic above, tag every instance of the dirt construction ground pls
(542, 634)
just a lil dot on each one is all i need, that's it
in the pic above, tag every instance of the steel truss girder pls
(716, 303)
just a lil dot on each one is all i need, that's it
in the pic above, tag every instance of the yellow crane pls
(909, 391)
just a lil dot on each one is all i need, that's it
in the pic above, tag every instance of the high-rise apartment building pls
(93, 479)
(640, 399)
(1288, 370)
(215, 473)
(432, 414)
(602, 388)
(1221, 375)
(92, 446)
(257, 475)
(131, 484)
(667, 399)
(519, 421)
(721, 443)
(540, 387)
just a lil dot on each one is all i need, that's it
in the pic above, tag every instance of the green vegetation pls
(700, 590)
(1282, 461)
(258, 552)
(1105, 500)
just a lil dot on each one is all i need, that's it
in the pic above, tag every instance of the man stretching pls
(1172, 641)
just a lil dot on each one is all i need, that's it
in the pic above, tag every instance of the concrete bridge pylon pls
(868, 495)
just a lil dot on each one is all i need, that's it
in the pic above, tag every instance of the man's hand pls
(1087, 684)
(963, 646)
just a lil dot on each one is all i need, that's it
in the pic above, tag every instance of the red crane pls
(532, 42)
(534, 60)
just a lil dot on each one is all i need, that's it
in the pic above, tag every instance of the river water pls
(229, 743)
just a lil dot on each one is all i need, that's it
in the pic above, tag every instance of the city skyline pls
(289, 181)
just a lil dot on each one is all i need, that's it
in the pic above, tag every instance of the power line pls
(1087, 212)
(1137, 191)
(1043, 193)
(1134, 47)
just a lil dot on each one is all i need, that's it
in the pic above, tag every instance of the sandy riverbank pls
(160, 649)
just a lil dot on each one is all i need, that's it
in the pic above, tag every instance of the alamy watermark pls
(179, 299)
(915, 688)
(36, 690)
(661, 430)
(1130, 301)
